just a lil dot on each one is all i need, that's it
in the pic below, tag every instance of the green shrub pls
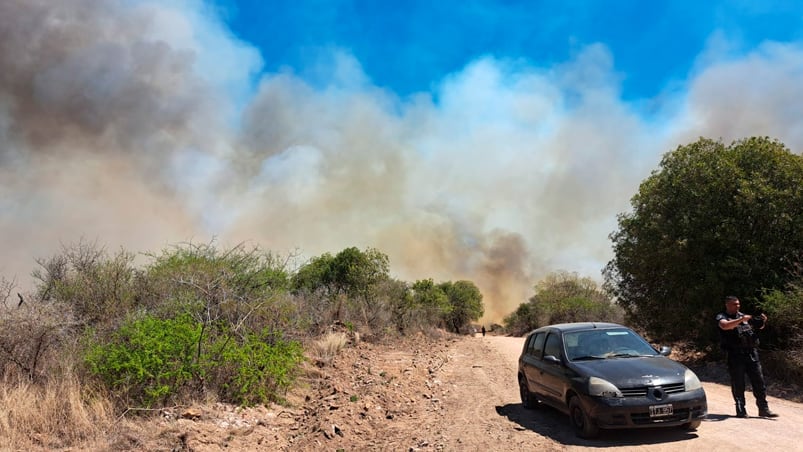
(153, 362)
(254, 369)
(149, 360)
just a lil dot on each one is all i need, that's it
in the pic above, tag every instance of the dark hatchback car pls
(605, 375)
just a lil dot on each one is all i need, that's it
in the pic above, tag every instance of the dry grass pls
(54, 415)
(326, 348)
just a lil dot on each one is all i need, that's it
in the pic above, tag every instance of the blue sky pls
(489, 141)
(409, 46)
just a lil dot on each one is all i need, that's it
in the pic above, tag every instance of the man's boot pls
(764, 411)
(741, 411)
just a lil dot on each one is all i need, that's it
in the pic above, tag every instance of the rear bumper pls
(635, 412)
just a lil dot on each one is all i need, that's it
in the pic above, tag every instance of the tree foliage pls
(351, 272)
(422, 306)
(351, 285)
(563, 297)
(465, 302)
(713, 220)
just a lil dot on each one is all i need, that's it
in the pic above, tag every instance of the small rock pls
(191, 414)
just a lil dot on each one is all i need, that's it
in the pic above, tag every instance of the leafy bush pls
(785, 327)
(522, 320)
(255, 369)
(149, 360)
(152, 362)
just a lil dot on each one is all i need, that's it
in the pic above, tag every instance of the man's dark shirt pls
(741, 338)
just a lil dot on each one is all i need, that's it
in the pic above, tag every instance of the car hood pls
(634, 372)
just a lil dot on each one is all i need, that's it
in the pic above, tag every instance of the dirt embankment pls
(449, 394)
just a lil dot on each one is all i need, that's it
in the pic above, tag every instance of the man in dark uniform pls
(739, 340)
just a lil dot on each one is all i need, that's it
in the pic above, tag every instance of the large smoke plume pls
(138, 124)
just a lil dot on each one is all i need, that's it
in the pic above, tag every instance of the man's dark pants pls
(746, 362)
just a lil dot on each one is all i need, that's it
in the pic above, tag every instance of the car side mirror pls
(665, 350)
(552, 359)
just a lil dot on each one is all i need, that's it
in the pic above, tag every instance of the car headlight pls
(603, 388)
(691, 381)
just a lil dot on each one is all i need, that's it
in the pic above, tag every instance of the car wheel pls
(693, 425)
(528, 399)
(584, 427)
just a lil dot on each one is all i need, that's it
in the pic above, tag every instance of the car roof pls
(577, 326)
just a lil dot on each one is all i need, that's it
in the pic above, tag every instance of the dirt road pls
(455, 393)
(486, 414)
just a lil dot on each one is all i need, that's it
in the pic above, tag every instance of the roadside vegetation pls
(103, 335)
(563, 297)
(713, 220)
(716, 220)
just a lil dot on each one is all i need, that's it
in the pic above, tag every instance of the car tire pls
(584, 427)
(693, 425)
(528, 399)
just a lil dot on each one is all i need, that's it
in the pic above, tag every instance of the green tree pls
(351, 285)
(316, 275)
(351, 272)
(424, 306)
(466, 304)
(522, 320)
(713, 220)
(563, 297)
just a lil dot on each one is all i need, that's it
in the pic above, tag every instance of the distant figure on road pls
(483, 331)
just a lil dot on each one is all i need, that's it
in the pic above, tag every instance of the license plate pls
(661, 410)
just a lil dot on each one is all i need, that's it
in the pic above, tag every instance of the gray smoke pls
(135, 124)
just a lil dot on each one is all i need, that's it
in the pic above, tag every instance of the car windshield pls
(604, 344)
